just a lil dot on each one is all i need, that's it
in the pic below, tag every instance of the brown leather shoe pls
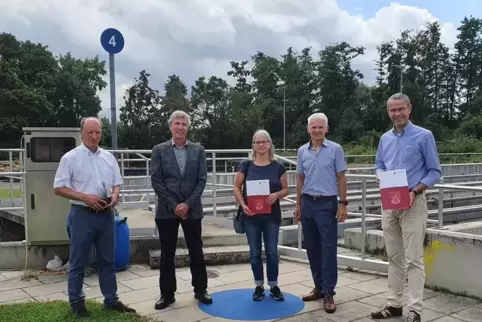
(330, 306)
(313, 296)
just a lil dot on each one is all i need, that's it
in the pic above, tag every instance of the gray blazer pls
(171, 187)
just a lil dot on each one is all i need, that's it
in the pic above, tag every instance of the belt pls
(326, 198)
(92, 209)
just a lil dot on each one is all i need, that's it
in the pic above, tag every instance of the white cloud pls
(192, 38)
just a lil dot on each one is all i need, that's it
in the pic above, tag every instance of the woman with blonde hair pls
(262, 165)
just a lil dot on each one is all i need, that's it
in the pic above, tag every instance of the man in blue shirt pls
(321, 178)
(410, 147)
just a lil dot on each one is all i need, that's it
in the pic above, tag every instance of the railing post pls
(123, 175)
(214, 183)
(148, 180)
(363, 213)
(10, 161)
(300, 231)
(440, 222)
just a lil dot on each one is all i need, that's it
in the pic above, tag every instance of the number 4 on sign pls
(112, 41)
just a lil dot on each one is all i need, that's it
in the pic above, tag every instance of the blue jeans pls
(262, 228)
(320, 232)
(86, 228)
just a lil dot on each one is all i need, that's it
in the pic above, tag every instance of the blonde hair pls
(271, 156)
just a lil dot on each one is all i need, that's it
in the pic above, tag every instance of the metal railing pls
(213, 157)
(363, 262)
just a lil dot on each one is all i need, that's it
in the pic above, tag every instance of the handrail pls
(285, 159)
(457, 187)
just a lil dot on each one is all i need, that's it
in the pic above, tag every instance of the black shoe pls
(164, 302)
(387, 312)
(413, 317)
(258, 294)
(80, 311)
(203, 297)
(276, 293)
(120, 307)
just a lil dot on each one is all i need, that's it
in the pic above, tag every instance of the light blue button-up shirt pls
(414, 150)
(320, 168)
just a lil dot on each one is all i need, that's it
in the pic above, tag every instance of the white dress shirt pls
(90, 173)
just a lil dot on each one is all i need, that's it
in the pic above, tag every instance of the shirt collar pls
(185, 144)
(84, 148)
(406, 130)
(325, 143)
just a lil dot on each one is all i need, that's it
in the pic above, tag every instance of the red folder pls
(395, 198)
(394, 192)
(258, 205)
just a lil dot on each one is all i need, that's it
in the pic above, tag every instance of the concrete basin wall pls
(453, 258)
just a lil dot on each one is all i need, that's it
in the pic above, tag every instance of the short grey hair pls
(318, 116)
(179, 115)
(82, 121)
(399, 96)
(271, 155)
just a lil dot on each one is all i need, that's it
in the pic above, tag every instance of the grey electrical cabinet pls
(45, 213)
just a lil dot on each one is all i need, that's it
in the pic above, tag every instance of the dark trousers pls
(86, 228)
(260, 229)
(168, 232)
(320, 232)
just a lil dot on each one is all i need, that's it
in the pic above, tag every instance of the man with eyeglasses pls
(410, 147)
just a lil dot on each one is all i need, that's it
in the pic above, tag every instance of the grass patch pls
(5, 193)
(60, 311)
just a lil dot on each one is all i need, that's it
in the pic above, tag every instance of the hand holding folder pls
(257, 191)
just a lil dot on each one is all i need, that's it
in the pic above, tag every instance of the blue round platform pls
(238, 305)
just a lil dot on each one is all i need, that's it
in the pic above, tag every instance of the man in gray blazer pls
(178, 176)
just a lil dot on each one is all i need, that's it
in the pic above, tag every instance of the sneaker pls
(413, 317)
(120, 307)
(386, 312)
(80, 311)
(276, 294)
(258, 294)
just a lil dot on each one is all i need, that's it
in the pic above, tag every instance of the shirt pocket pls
(412, 154)
(107, 173)
(82, 174)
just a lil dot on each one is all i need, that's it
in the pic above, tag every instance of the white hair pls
(179, 115)
(318, 116)
(264, 133)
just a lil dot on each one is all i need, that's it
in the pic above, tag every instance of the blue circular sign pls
(112, 41)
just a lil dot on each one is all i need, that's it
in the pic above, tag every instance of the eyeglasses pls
(260, 142)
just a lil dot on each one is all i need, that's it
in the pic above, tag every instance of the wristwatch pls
(344, 202)
(416, 193)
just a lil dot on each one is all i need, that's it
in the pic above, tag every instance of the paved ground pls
(358, 294)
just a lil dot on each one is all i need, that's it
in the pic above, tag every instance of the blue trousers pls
(320, 232)
(262, 228)
(86, 228)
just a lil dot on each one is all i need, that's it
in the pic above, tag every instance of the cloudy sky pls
(191, 38)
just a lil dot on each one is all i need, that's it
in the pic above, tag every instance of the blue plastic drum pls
(122, 244)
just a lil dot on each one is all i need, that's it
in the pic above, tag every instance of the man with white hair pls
(410, 147)
(321, 180)
(178, 175)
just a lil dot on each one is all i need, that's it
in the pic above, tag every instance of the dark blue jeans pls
(86, 228)
(262, 228)
(320, 232)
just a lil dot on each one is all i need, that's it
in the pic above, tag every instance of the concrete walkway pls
(358, 293)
